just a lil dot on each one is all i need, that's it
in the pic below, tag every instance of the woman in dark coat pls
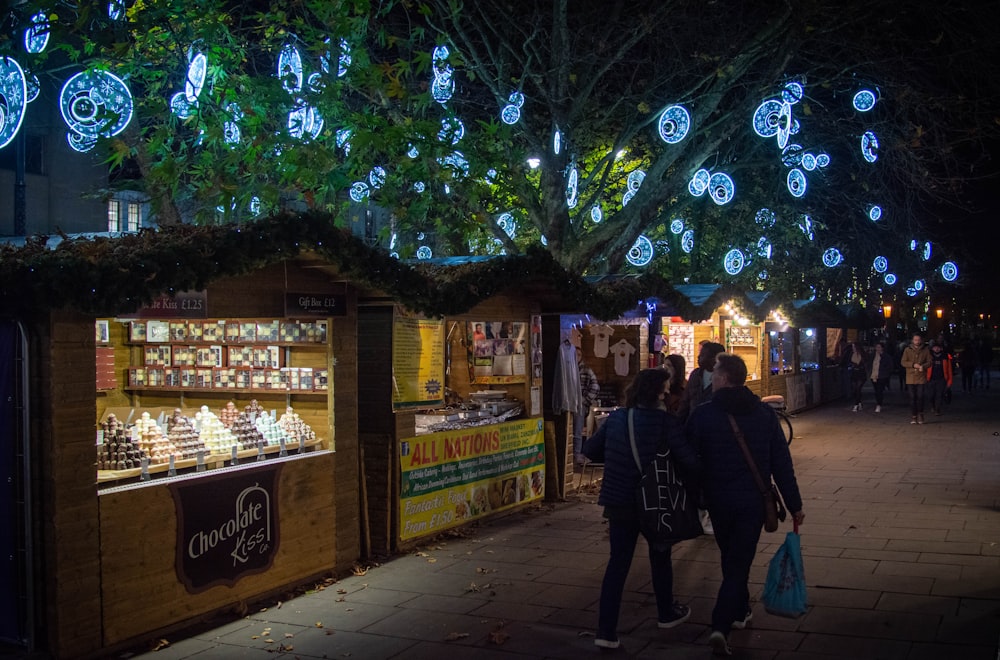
(653, 425)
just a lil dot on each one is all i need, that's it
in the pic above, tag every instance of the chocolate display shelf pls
(211, 461)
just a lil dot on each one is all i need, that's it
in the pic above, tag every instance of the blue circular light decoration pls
(874, 212)
(510, 114)
(255, 205)
(556, 142)
(635, 179)
(792, 93)
(196, 74)
(440, 55)
(419, 187)
(543, 240)
(641, 252)
(343, 138)
(675, 122)
(412, 152)
(734, 261)
(359, 191)
(796, 182)
(890, 279)
(95, 104)
(918, 285)
(808, 162)
(795, 127)
(911, 291)
(823, 159)
(13, 98)
(115, 10)
(766, 118)
(420, 235)
(424, 252)
(180, 106)
(949, 271)
(880, 264)
(571, 188)
(832, 257)
(722, 188)
(315, 82)
(869, 146)
(864, 100)
(766, 218)
(784, 125)
(344, 61)
(230, 129)
(627, 197)
(677, 227)
(806, 225)
(762, 275)
(289, 69)
(507, 224)
(764, 247)
(452, 130)
(687, 241)
(699, 182)
(36, 37)
(596, 214)
(913, 244)
(926, 254)
(457, 161)
(32, 86)
(377, 176)
(516, 99)
(791, 155)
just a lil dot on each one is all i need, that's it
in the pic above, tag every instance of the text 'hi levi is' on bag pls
(774, 509)
(668, 513)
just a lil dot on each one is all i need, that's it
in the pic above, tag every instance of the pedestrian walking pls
(938, 377)
(984, 350)
(652, 426)
(857, 370)
(699, 385)
(734, 500)
(968, 361)
(915, 360)
(881, 373)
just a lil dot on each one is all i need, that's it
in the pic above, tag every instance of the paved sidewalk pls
(901, 545)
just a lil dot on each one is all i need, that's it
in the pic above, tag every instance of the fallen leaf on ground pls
(432, 561)
(287, 635)
(278, 606)
(455, 636)
(340, 600)
(269, 641)
(319, 624)
(497, 637)
(160, 644)
(341, 591)
(472, 587)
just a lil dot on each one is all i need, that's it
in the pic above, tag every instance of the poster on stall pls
(497, 352)
(417, 363)
(452, 477)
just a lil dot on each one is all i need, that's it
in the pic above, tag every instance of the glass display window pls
(809, 347)
(781, 349)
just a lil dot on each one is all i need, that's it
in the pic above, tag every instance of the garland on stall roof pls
(114, 275)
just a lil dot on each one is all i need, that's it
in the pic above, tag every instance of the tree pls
(598, 75)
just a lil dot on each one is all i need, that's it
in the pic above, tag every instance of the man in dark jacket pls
(734, 500)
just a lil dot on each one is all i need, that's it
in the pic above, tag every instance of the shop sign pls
(227, 526)
(417, 363)
(452, 477)
(181, 305)
(315, 304)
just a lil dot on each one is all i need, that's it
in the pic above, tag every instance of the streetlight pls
(887, 311)
(939, 312)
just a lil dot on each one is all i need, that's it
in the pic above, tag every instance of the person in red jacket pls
(938, 376)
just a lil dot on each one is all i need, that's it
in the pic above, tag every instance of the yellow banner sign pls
(417, 363)
(451, 477)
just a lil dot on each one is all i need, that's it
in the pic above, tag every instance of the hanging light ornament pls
(791, 155)
(792, 93)
(880, 264)
(677, 227)
(596, 214)
(722, 188)
(571, 187)
(874, 212)
(926, 254)
(734, 261)
(230, 128)
(32, 86)
(36, 37)
(890, 279)
(674, 124)
(511, 113)
(687, 241)
(641, 252)
(95, 104)
(832, 257)
(764, 247)
(699, 183)
(424, 252)
(766, 218)
(443, 86)
(949, 271)
(13, 98)
(290, 69)
(556, 141)
(869, 147)
(806, 225)
(864, 100)
(507, 224)
(796, 182)
(359, 191)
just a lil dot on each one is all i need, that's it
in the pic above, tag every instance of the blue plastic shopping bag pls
(785, 587)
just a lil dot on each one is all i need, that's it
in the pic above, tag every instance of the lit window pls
(134, 216)
(114, 216)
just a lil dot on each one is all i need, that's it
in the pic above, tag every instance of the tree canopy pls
(619, 107)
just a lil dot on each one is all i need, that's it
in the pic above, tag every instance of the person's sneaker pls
(855, 408)
(606, 643)
(706, 521)
(878, 409)
(720, 646)
(920, 419)
(678, 615)
(740, 625)
(913, 420)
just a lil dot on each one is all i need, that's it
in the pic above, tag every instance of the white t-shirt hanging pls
(602, 336)
(623, 353)
(576, 337)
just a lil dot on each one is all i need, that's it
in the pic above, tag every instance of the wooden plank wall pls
(62, 389)
(140, 591)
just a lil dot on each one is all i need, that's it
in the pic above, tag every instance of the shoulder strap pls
(746, 454)
(631, 439)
